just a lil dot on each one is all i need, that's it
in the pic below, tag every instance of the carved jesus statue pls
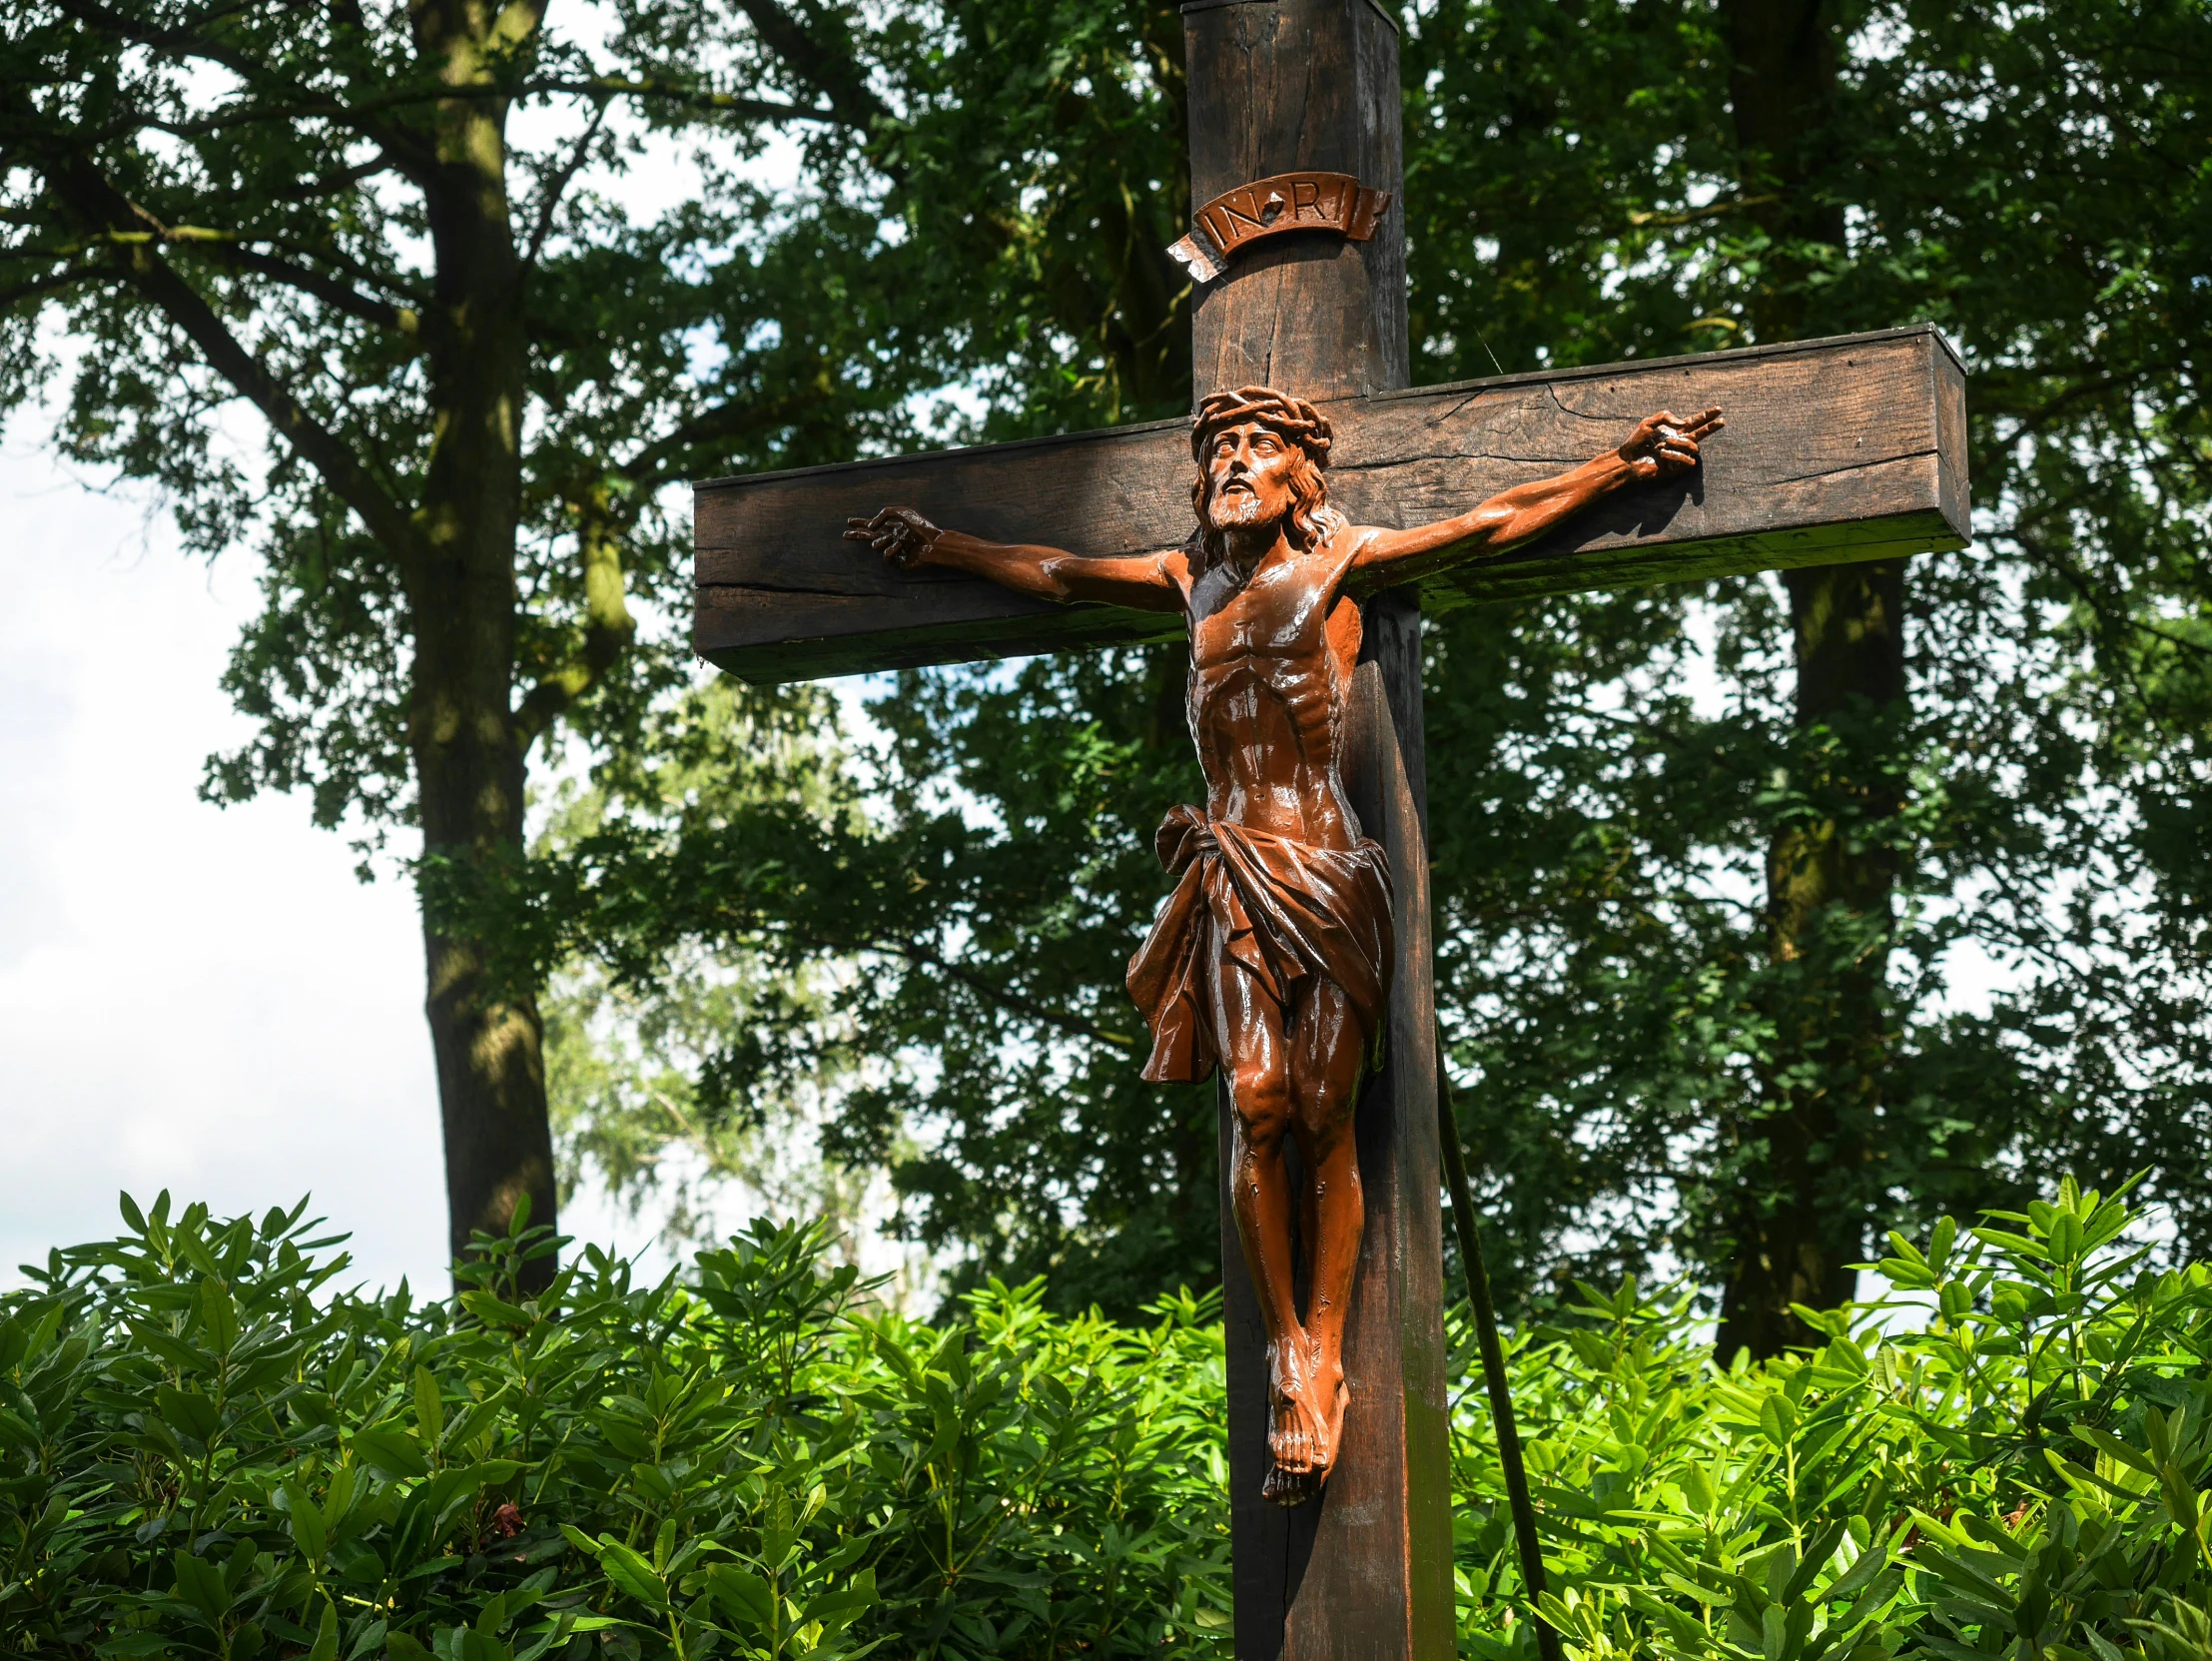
(1272, 959)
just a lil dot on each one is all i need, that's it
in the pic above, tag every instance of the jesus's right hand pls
(900, 535)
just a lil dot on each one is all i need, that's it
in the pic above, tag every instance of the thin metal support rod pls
(1493, 1358)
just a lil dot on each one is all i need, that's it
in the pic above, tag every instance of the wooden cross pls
(1838, 450)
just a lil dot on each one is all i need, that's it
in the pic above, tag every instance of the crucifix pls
(1294, 532)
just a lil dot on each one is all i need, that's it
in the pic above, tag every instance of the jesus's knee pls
(1324, 1111)
(1262, 1102)
(1323, 1135)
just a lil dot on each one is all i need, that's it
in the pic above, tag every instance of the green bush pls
(206, 1451)
(209, 1455)
(2010, 1459)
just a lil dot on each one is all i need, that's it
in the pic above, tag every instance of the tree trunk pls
(468, 745)
(1800, 1216)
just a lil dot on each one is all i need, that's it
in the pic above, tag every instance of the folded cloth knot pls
(1283, 910)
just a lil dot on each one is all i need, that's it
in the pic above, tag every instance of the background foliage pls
(207, 1450)
(2007, 174)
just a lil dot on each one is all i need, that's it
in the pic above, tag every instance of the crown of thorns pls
(1294, 417)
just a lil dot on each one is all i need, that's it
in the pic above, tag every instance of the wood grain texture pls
(1840, 449)
(1367, 1570)
(1280, 88)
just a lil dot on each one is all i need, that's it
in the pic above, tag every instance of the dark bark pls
(1799, 1219)
(468, 743)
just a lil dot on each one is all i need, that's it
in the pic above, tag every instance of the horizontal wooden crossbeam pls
(1836, 450)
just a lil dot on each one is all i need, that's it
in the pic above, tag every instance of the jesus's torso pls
(1271, 658)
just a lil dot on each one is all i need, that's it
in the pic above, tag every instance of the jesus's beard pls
(1234, 509)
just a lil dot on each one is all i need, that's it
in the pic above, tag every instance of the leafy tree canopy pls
(493, 280)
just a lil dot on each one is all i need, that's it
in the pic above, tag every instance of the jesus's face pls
(1248, 469)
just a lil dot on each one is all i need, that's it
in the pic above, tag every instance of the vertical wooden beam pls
(1277, 85)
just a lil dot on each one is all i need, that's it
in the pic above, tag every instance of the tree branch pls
(1074, 1024)
(924, 956)
(834, 74)
(355, 114)
(1694, 216)
(52, 282)
(400, 320)
(557, 185)
(307, 190)
(651, 465)
(103, 207)
(726, 103)
(184, 41)
(228, 248)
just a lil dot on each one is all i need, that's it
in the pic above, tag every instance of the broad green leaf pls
(218, 1316)
(1817, 1553)
(495, 1312)
(429, 1410)
(2105, 1443)
(200, 1583)
(394, 1451)
(306, 1523)
(324, 1647)
(744, 1597)
(633, 1573)
(190, 1412)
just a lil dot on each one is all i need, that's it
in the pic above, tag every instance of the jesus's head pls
(1260, 454)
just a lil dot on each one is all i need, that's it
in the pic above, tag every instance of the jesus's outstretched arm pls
(1146, 582)
(1662, 445)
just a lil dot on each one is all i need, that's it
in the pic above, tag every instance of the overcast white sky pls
(191, 998)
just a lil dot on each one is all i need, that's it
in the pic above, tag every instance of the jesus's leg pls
(1253, 1055)
(1326, 1051)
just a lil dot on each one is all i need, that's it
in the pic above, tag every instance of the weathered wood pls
(1378, 1578)
(1839, 450)
(1283, 87)
(1368, 1570)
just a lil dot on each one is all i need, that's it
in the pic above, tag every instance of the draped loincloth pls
(1283, 910)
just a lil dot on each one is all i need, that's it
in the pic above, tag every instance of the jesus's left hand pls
(1664, 445)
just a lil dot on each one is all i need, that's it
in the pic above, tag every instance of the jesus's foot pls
(1297, 1431)
(1301, 1446)
(1301, 1432)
